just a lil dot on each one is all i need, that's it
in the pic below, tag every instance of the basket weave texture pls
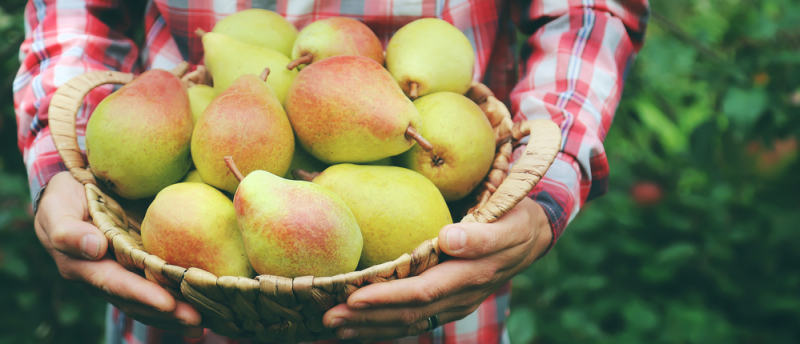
(274, 308)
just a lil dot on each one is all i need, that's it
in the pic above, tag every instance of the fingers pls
(109, 277)
(436, 283)
(341, 315)
(168, 321)
(76, 238)
(60, 219)
(368, 334)
(477, 240)
(150, 316)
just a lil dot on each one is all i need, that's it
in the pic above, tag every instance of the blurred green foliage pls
(710, 116)
(696, 242)
(36, 304)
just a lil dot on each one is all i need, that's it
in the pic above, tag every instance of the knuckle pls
(427, 295)
(59, 237)
(488, 244)
(431, 292)
(67, 275)
(469, 301)
(409, 318)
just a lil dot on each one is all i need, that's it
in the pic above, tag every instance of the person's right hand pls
(79, 250)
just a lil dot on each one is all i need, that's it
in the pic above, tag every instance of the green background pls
(697, 240)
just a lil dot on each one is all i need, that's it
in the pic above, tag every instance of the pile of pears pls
(379, 143)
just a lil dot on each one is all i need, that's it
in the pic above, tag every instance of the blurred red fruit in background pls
(772, 162)
(646, 193)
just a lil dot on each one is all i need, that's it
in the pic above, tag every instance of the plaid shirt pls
(571, 70)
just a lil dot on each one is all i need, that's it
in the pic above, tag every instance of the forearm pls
(574, 76)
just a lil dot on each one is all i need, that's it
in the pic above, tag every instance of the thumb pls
(477, 240)
(78, 239)
(60, 218)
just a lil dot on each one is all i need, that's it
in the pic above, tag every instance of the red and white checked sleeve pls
(573, 73)
(64, 39)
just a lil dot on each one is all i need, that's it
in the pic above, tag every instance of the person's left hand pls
(487, 255)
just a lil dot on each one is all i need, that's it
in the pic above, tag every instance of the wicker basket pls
(274, 308)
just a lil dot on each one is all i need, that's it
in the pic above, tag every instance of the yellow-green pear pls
(137, 139)
(200, 96)
(295, 228)
(227, 59)
(397, 209)
(335, 36)
(463, 144)
(381, 162)
(430, 55)
(259, 27)
(247, 122)
(192, 177)
(194, 225)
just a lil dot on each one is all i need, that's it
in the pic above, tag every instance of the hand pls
(487, 255)
(79, 250)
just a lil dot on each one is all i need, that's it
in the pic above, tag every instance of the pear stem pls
(302, 174)
(412, 133)
(305, 59)
(264, 74)
(200, 32)
(180, 70)
(413, 93)
(232, 167)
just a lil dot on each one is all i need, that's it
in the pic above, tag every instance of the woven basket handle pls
(65, 105)
(543, 145)
(502, 192)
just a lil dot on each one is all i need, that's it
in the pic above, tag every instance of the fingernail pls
(360, 305)
(336, 322)
(194, 332)
(456, 239)
(90, 245)
(349, 333)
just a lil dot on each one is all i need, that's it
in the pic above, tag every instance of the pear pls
(200, 96)
(227, 59)
(295, 228)
(463, 144)
(349, 109)
(259, 27)
(397, 209)
(303, 160)
(381, 162)
(192, 177)
(247, 122)
(430, 55)
(335, 36)
(137, 139)
(194, 225)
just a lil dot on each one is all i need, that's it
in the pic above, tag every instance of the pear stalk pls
(305, 59)
(412, 133)
(232, 167)
(264, 74)
(413, 93)
(200, 32)
(301, 174)
(180, 70)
